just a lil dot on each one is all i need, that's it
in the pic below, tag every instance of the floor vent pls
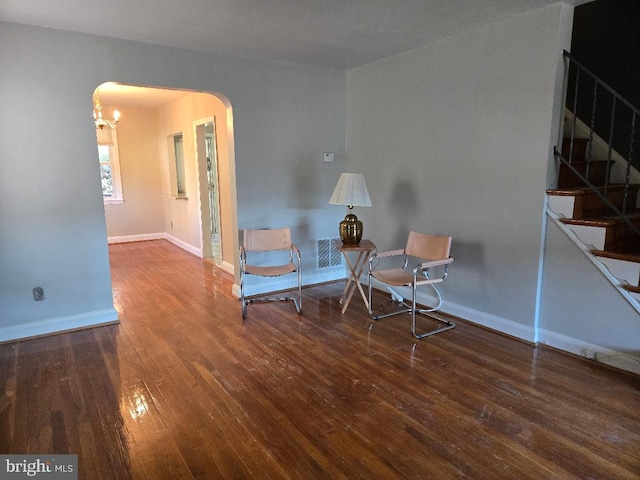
(328, 255)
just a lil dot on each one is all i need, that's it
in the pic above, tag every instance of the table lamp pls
(351, 190)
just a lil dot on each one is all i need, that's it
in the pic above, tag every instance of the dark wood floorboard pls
(182, 388)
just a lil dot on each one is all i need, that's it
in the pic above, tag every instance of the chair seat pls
(270, 271)
(394, 276)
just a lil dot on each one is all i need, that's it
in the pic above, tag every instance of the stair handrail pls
(617, 98)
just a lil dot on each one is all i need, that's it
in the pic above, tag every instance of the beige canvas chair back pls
(430, 247)
(266, 240)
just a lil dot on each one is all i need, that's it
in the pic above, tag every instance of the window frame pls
(110, 138)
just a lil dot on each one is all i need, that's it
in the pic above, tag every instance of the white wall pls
(141, 212)
(53, 231)
(182, 216)
(454, 138)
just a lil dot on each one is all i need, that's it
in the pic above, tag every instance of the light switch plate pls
(328, 157)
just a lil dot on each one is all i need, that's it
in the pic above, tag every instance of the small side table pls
(364, 250)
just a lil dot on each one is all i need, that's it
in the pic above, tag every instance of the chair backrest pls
(267, 239)
(430, 247)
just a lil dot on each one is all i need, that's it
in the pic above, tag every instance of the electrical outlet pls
(38, 293)
(588, 353)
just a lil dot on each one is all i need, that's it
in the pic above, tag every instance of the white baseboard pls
(227, 267)
(184, 245)
(493, 322)
(59, 325)
(471, 315)
(143, 237)
(620, 360)
(598, 353)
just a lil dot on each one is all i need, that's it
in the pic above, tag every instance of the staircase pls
(607, 238)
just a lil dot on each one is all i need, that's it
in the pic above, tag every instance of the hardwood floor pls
(182, 389)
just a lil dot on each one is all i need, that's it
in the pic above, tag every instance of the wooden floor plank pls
(183, 388)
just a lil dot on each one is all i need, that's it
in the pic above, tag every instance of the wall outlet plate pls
(38, 293)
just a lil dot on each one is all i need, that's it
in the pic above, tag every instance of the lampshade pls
(351, 190)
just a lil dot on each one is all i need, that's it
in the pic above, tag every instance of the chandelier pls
(101, 122)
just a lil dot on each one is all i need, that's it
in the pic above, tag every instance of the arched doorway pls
(168, 168)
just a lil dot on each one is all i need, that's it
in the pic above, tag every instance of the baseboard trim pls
(598, 353)
(227, 267)
(487, 320)
(493, 322)
(142, 237)
(184, 245)
(58, 325)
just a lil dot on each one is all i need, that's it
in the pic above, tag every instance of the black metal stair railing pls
(616, 127)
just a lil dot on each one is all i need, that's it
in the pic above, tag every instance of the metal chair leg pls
(448, 324)
(413, 310)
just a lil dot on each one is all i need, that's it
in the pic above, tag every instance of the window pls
(109, 165)
(179, 153)
(177, 179)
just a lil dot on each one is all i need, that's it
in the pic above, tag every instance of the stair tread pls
(593, 160)
(578, 191)
(630, 253)
(631, 288)
(601, 221)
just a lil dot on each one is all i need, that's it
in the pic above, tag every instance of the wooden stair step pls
(632, 288)
(619, 235)
(629, 254)
(603, 220)
(624, 264)
(588, 203)
(585, 191)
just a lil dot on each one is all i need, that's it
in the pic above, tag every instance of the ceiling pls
(127, 95)
(337, 34)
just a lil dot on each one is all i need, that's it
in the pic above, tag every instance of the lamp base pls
(351, 230)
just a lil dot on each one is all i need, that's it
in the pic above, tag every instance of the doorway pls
(213, 188)
(199, 216)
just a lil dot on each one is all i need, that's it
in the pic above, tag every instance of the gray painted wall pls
(53, 226)
(454, 138)
(588, 312)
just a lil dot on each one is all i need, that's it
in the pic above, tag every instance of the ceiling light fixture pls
(101, 122)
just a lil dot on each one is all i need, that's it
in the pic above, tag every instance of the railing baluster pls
(575, 106)
(628, 172)
(617, 100)
(592, 127)
(610, 149)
